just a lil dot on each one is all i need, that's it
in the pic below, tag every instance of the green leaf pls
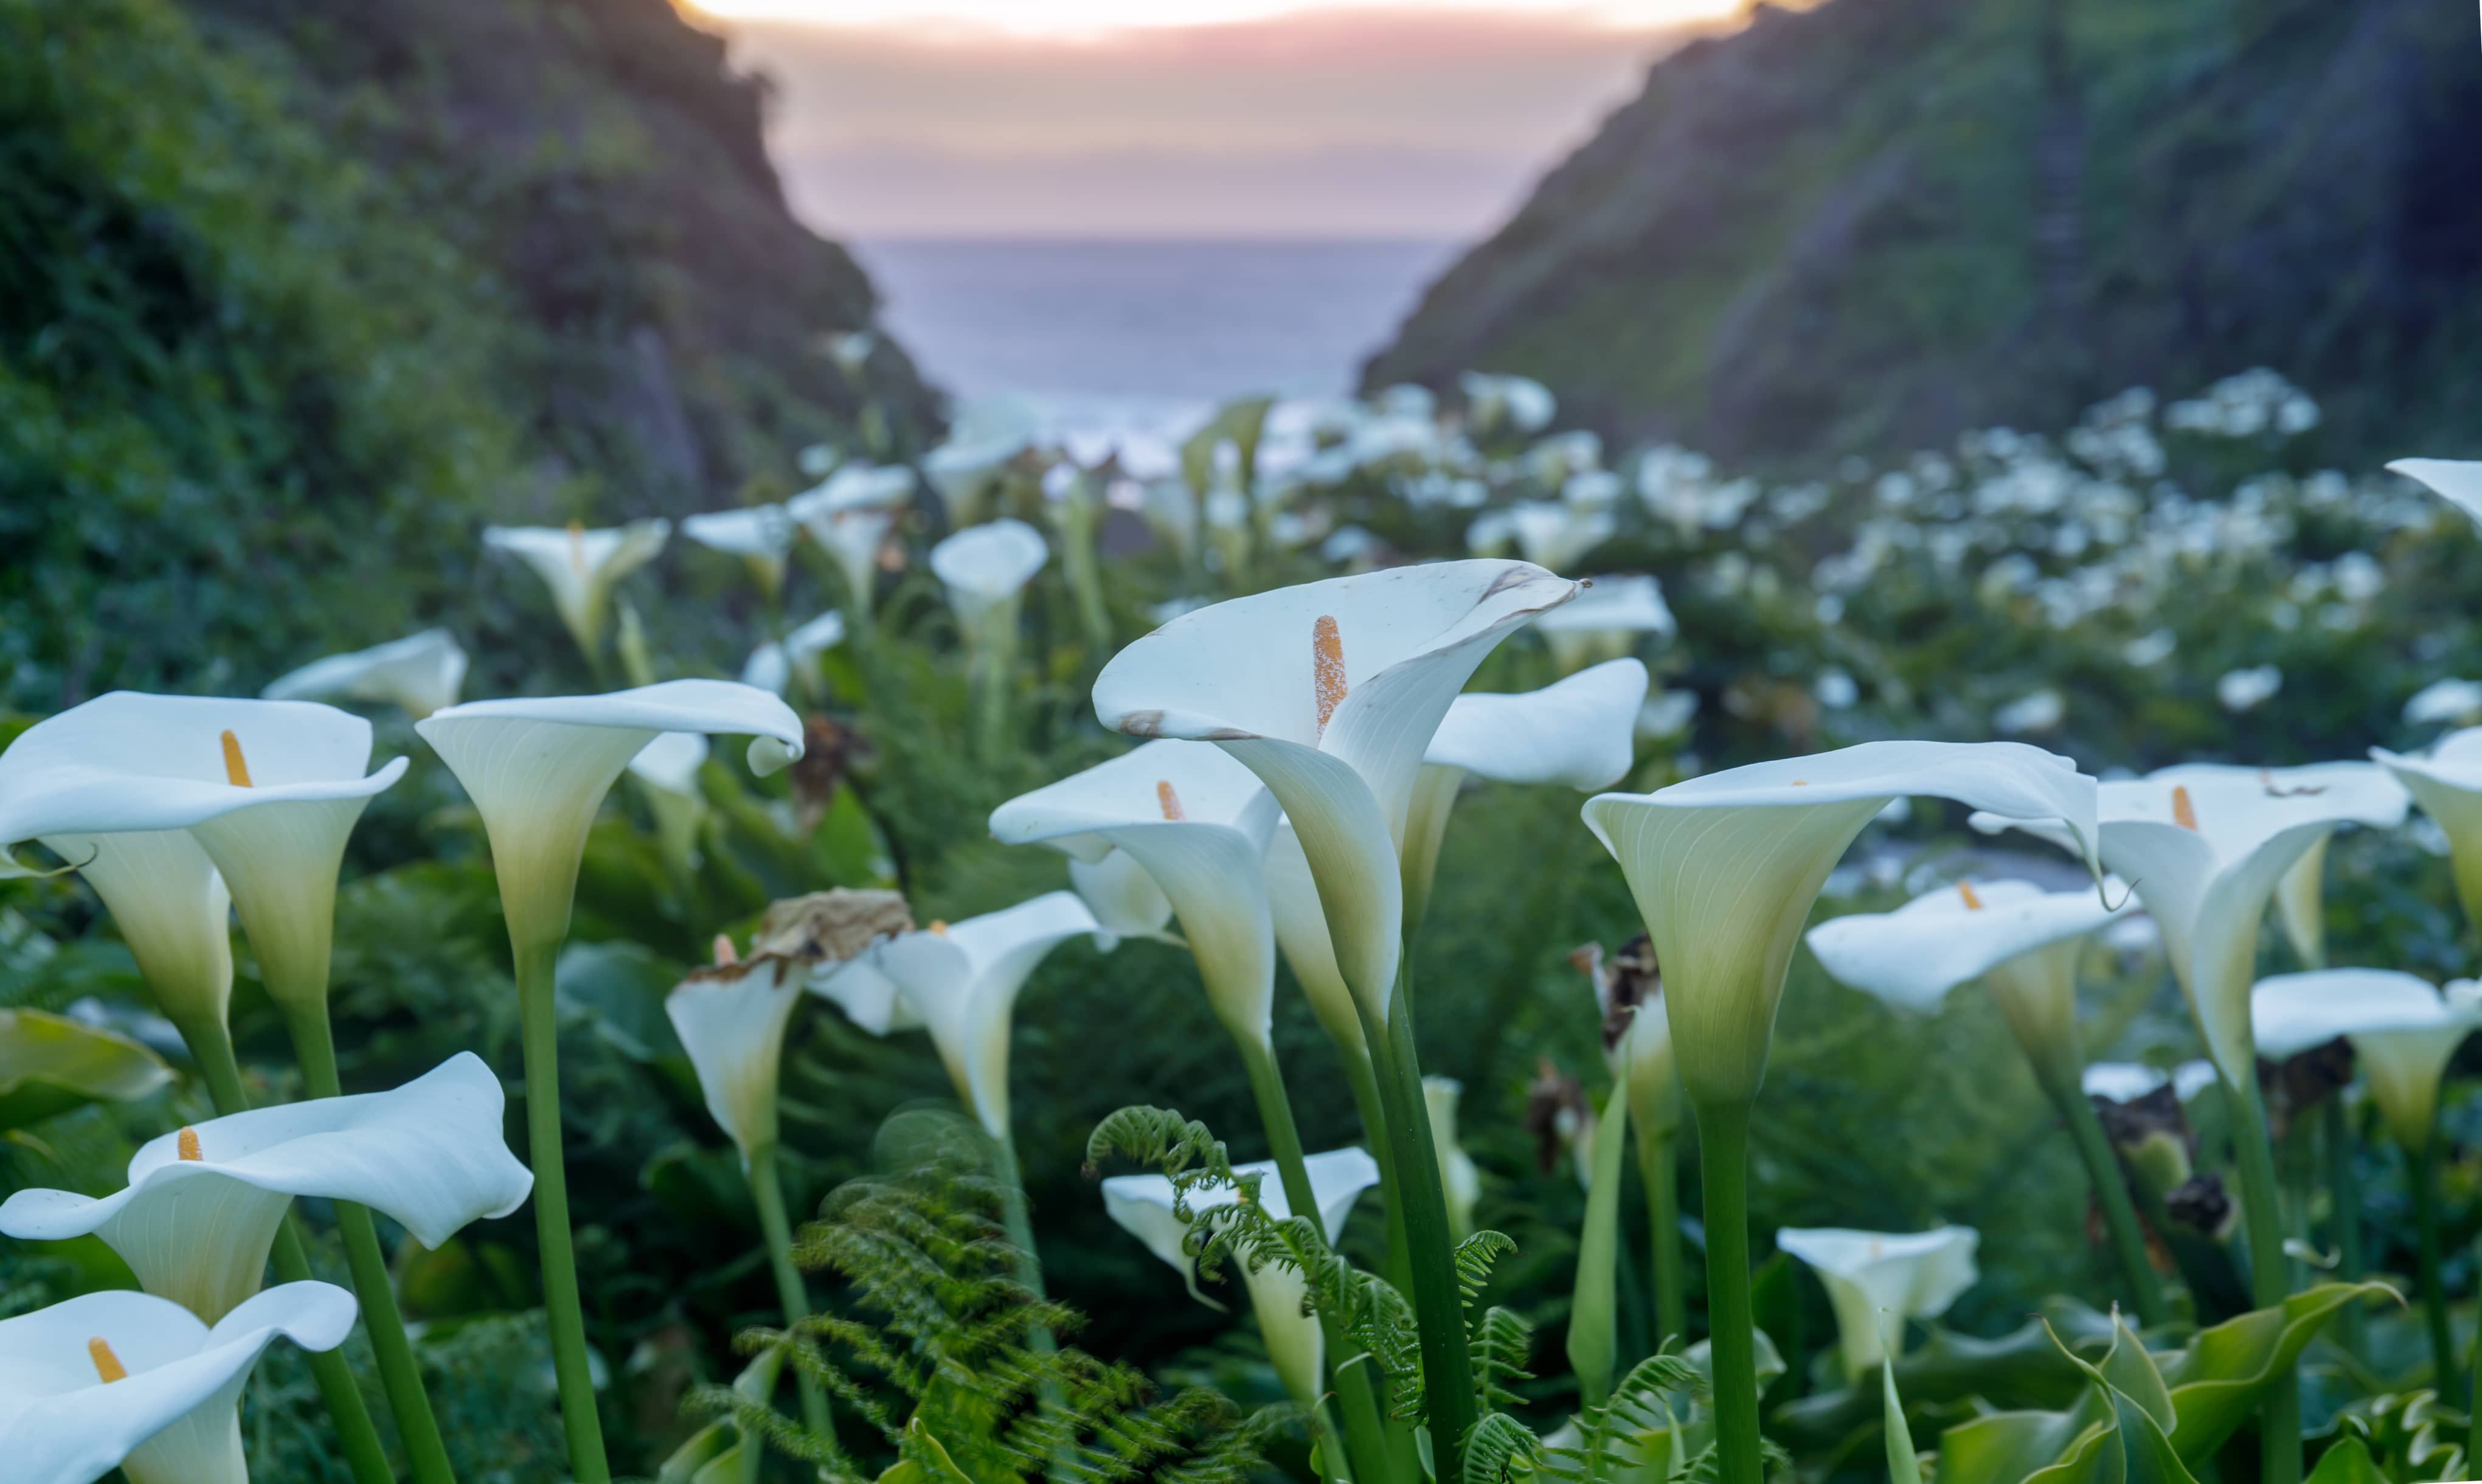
(1238, 423)
(2216, 1379)
(2021, 1369)
(50, 1064)
(2347, 1463)
(1904, 1465)
(922, 1459)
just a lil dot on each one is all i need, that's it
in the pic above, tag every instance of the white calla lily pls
(1912, 1275)
(2446, 783)
(196, 1221)
(1607, 621)
(1331, 692)
(1726, 867)
(2023, 941)
(124, 1380)
(2403, 1032)
(2362, 793)
(580, 566)
(269, 790)
(772, 665)
(1144, 1206)
(732, 1020)
(538, 770)
(2458, 482)
(418, 674)
(1199, 822)
(1518, 404)
(1459, 1177)
(983, 439)
(960, 982)
(985, 567)
(850, 515)
(1124, 898)
(1301, 932)
(760, 534)
(1580, 733)
(1556, 534)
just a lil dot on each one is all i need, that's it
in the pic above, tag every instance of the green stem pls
(1365, 1436)
(767, 1189)
(2344, 1193)
(2473, 1428)
(1019, 1221)
(1438, 1304)
(1593, 1346)
(2279, 1414)
(539, 1024)
(1723, 1161)
(1658, 1163)
(2434, 1291)
(2111, 1193)
(1365, 1081)
(211, 1048)
(314, 1046)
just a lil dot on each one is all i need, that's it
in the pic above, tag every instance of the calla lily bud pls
(2145, 1125)
(116, 1379)
(1637, 1035)
(1727, 866)
(1911, 1276)
(1458, 1174)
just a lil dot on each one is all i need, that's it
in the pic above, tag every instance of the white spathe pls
(538, 770)
(961, 983)
(2021, 940)
(771, 666)
(1557, 533)
(672, 763)
(418, 674)
(1606, 621)
(1459, 1178)
(2458, 482)
(1331, 692)
(429, 1156)
(2205, 850)
(761, 534)
(2447, 784)
(985, 566)
(1912, 1275)
(580, 566)
(732, 1020)
(851, 515)
(1144, 1206)
(1301, 932)
(172, 1416)
(1199, 822)
(2362, 793)
(269, 790)
(1726, 867)
(983, 438)
(2403, 1032)
(1126, 901)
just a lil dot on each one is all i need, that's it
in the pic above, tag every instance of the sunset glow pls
(1070, 19)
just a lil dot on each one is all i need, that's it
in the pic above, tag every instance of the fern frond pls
(1500, 1345)
(1498, 1447)
(1474, 1259)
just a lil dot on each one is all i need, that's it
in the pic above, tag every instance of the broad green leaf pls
(2215, 1381)
(1238, 423)
(2347, 1463)
(2021, 1369)
(1904, 1465)
(2142, 1408)
(2019, 1448)
(921, 1459)
(50, 1064)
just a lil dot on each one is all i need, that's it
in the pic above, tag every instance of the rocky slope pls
(1867, 226)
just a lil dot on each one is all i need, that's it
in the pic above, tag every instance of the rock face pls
(603, 160)
(1869, 225)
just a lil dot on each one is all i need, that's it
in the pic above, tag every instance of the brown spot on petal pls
(1142, 724)
(1327, 667)
(106, 1363)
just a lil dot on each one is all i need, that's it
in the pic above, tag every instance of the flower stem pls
(314, 1046)
(539, 1024)
(1658, 1161)
(2279, 1414)
(2344, 1193)
(1365, 1439)
(1593, 1348)
(1019, 1224)
(1364, 1080)
(211, 1048)
(2434, 1291)
(767, 1189)
(1438, 1304)
(1722, 1162)
(2111, 1193)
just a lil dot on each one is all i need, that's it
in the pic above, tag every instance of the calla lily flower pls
(1637, 1035)
(761, 534)
(832, 932)
(1606, 622)
(2403, 1032)
(200, 1211)
(2458, 482)
(1199, 822)
(537, 769)
(773, 664)
(983, 440)
(986, 567)
(850, 515)
(961, 981)
(1458, 1176)
(1912, 1275)
(1556, 534)
(2448, 784)
(270, 790)
(1581, 731)
(1122, 897)
(1726, 867)
(173, 911)
(116, 1379)
(1301, 932)
(2349, 792)
(417, 674)
(1519, 404)
(666, 770)
(1330, 693)
(2021, 940)
(580, 566)
(1142, 1204)
(732, 1020)
(2205, 849)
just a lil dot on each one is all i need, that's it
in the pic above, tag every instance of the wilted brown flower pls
(830, 927)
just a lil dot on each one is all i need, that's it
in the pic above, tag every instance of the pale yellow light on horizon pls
(1073, 19)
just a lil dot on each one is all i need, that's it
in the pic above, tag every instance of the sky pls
(1118, 118)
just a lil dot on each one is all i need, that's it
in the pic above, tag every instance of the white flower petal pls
(1912, 1275)
(419, 675)
(1301, 931)
(1911, 957)
(1578, 731)
(671, 763)
(2455, 481)
(759, 532)
(731, 1021)
(984, 566)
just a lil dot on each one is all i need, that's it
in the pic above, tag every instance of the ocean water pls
(1131, 343)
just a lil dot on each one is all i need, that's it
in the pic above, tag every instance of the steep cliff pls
(1866, 225)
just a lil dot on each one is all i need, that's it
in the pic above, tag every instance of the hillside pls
(1869, 225)
(295, 294)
